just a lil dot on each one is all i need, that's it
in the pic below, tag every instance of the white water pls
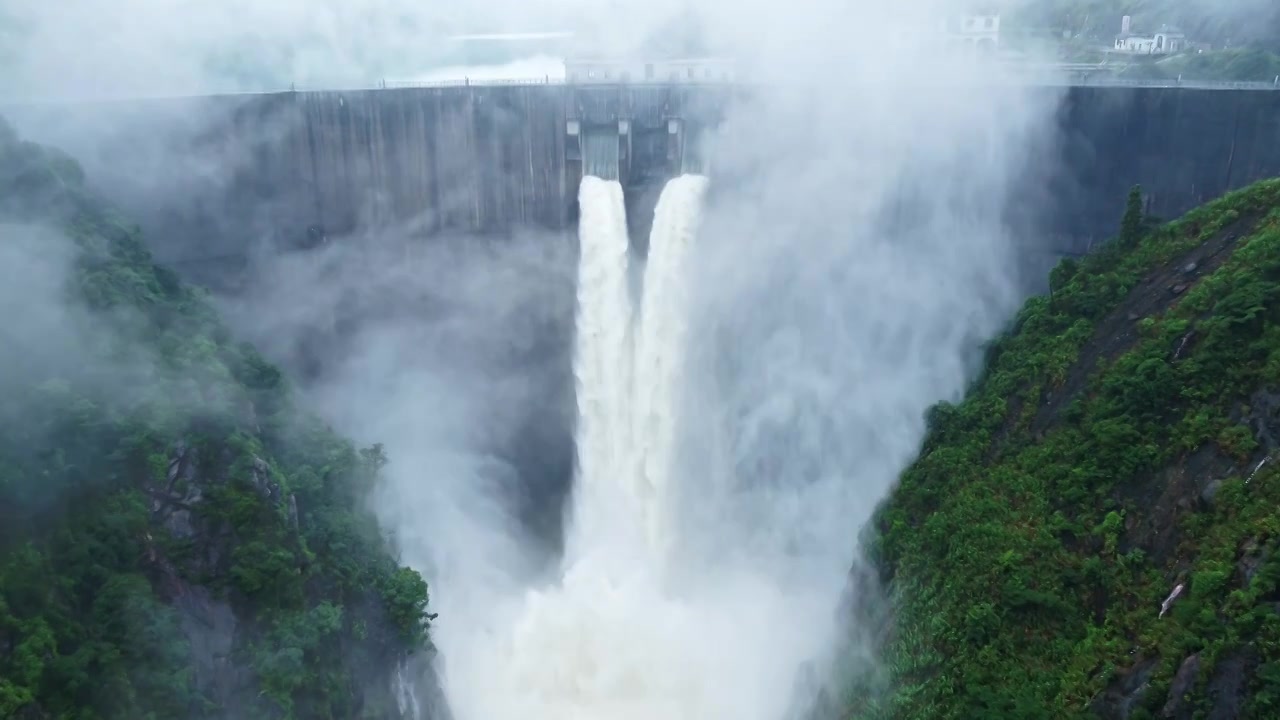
(659, 353)
(602, 366)
(407, 694)
(614, 638)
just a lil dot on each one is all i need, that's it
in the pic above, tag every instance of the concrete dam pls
(213, 174)
(296, 168)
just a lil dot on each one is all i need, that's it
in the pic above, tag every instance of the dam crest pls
(297, 168)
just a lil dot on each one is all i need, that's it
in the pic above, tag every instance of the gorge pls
(686, 401)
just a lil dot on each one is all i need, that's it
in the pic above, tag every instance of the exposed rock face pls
(1252, 555)
(1264, 418)
(154, 561)
(174, 502)
(1152, 453)
(1126, 692)
(211, 622)
(423, 693)
(210, 626)
(1183, 682)
(1228, 686)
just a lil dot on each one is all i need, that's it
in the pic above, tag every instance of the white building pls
(980, 32)
(611, 70)
(1166, 41)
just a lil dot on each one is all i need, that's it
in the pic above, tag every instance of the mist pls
(854, 251)
(449, 352)
(1222, 23)
(143, 48)
(55, 336)
(37, 264)
(844, 283)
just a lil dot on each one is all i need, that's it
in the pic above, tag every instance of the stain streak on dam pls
(295, 168)
(1184, 146)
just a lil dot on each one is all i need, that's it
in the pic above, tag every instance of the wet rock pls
(178, 522)
(1178, 289)
(174, 502)
(1210, 491)
(183, 467)
(260, 476)
(1229, 685)
(432, 704)
(1126, 693)
(1157, 529)
(1190, 268)
(210, 627)
(176, 461)
(1252, 555)
(1183, 682)
(1264, 418)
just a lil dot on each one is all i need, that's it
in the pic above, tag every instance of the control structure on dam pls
(641, 136)
(216, 176)
(295, 169)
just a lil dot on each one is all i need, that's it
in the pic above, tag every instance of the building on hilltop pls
(980, 31)
(1166, 41)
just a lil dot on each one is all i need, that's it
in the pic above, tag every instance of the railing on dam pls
(1074, 78)
(1106, 81)
(1097, 78)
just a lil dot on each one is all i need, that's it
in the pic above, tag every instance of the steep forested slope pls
(1122, 443)
(176, 540)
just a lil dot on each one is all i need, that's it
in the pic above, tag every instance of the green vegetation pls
(1242, 38)
(1227, 65)
(176, 538)
(1113, 449)
(1220, 65)
(1227, 24)
(1131, 223)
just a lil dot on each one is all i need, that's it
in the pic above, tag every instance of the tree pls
(1131, 225)
(1061, 274)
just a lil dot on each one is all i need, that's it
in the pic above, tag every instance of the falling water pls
(407, 694)
(613, 638)
(659, 351)
(602, 366)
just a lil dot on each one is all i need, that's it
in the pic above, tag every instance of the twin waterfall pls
(627, 365)
(610, 640)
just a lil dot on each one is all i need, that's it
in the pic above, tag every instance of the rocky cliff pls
(1093, 532)
(177, 540)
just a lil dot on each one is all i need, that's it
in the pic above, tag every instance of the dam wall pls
(479, 161)
(214, 177)
(1183, 146)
